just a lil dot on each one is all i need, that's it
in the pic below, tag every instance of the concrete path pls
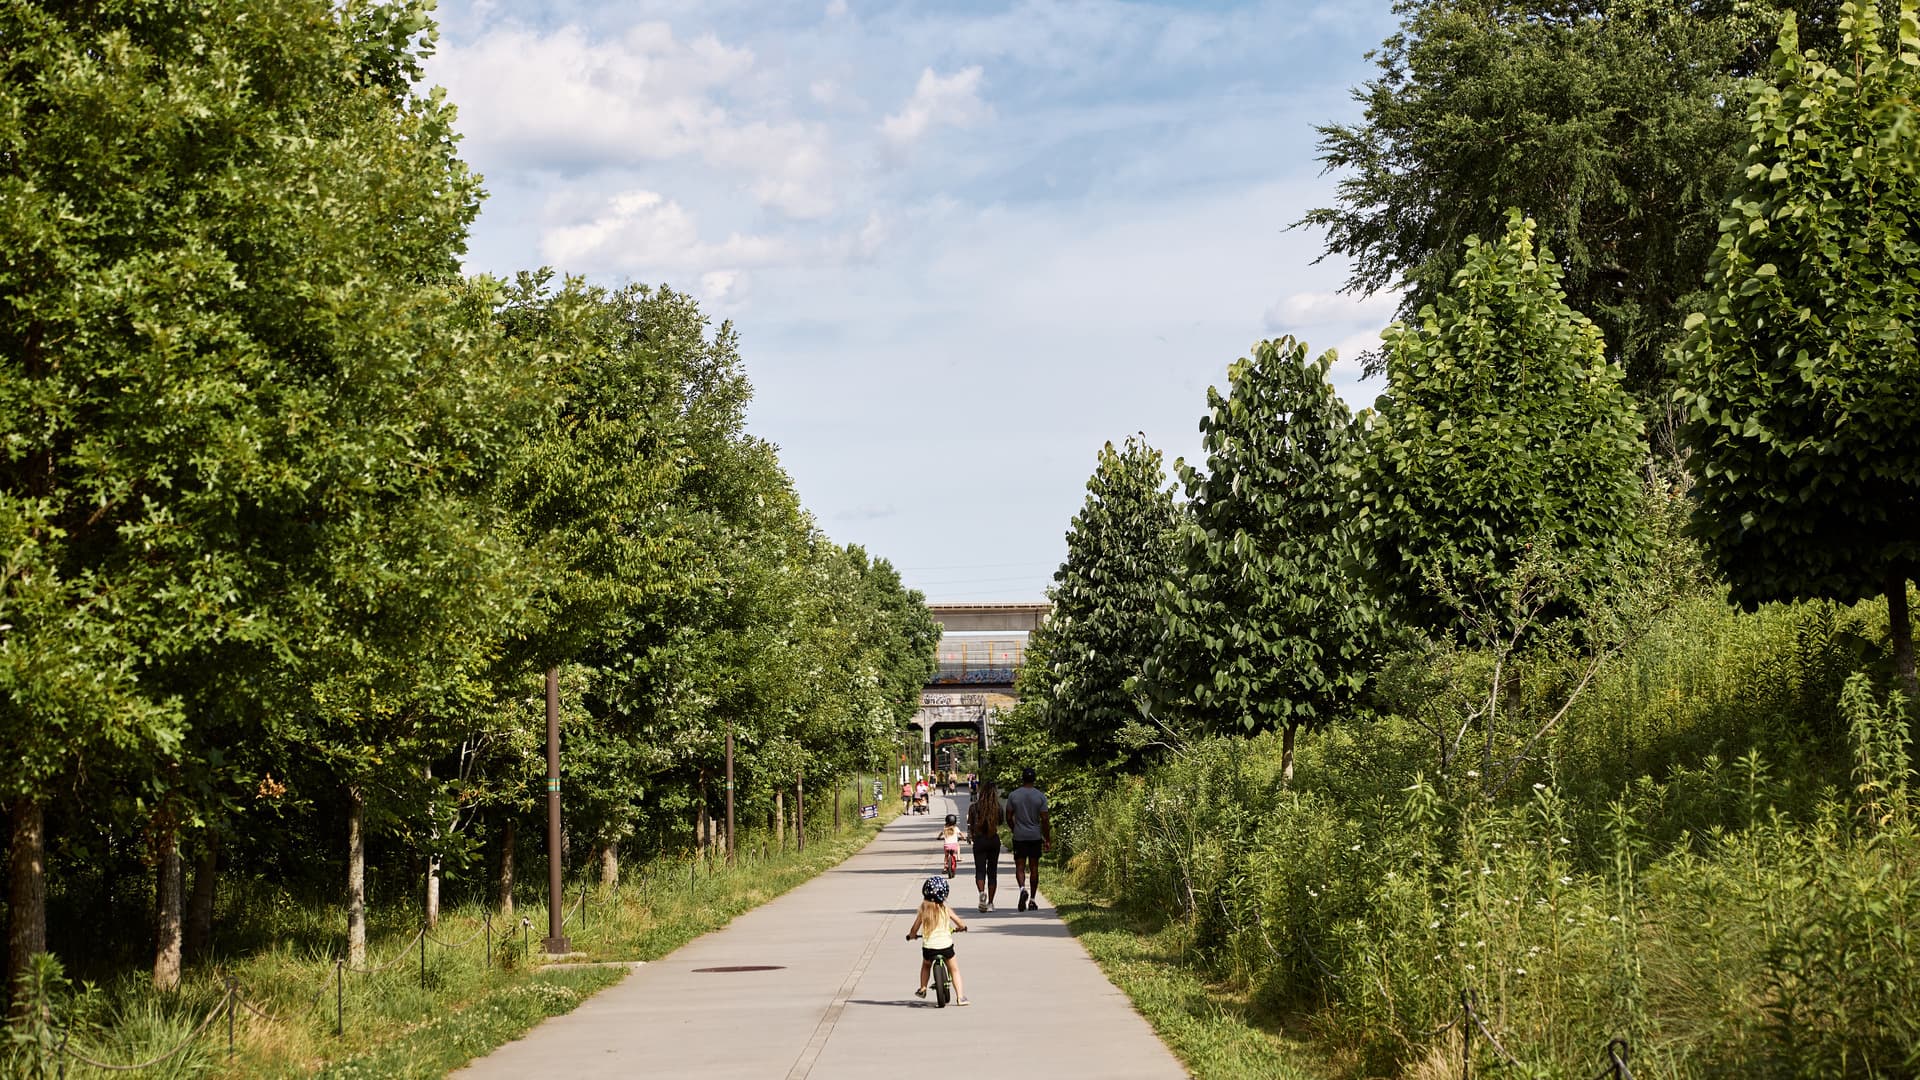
(840, 1002)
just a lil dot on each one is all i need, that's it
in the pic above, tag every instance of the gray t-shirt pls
(1024, 805)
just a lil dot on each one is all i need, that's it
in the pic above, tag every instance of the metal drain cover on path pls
(741, 967)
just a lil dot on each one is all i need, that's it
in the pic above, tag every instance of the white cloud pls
(724, 288)
(1330, 308)
(570, 101)
(836, 8)
(645, 232)
(950, 100)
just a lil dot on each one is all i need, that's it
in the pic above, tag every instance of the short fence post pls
(423, 956)
(486, 920)
(526, 940)
(583, 905)
(339, 997)
(1466, 1037)
(233, 998)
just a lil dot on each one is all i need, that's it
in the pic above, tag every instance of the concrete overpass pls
(981, 649)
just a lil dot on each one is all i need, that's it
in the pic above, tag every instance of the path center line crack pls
(823, 1031)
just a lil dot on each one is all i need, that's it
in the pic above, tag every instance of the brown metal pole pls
(729, 794)
(556, 941)
(799, 814)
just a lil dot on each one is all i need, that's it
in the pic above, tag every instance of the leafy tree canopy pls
(1104, 623)
(1798, 381)
(1266, 626)
(1503, 428)
(1607, 121)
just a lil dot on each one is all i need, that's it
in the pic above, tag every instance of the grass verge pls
(415, 1015)
(1215, 1031)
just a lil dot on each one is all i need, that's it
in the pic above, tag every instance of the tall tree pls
(1607, 121)
(1267, 628)
(1503, 429)
(1798, 380)
(1104, 623)
(232, 348)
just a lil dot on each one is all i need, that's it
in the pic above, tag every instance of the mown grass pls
(401, 1018)
(1217, 1032)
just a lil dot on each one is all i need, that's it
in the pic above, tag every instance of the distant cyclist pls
(950, 843)
(973, 785)
(1026, 808)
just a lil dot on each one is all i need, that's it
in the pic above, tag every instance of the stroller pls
(919, 803)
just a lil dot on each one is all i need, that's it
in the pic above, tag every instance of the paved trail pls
(841, 1003)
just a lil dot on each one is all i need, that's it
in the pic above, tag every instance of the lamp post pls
(556, 940)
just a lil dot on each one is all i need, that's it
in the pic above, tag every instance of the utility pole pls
(556, 940)
(729, 792)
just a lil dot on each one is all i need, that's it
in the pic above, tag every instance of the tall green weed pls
(1713, 858)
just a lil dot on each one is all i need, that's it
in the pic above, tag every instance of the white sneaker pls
(983, 901)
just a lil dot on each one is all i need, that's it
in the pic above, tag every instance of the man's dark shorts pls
(929, 954)
(1027, 849)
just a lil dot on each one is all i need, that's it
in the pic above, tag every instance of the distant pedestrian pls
(1026, 808)
(983, 831)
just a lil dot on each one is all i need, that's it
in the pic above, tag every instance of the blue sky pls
(964, 244)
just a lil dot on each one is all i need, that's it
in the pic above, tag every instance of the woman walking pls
(983, 831)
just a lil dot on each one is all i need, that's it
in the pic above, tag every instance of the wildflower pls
(1496, 845)
(1519, 971)
(1355, 847)
(1469, 967)
(1434, 925)
(1565, 880)
(1539, 787)
(1564, 840)
(1473, 774)
(1613, 918)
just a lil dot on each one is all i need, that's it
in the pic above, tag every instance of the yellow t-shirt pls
(939, 936)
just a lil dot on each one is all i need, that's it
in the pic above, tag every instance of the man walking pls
(1026, 808)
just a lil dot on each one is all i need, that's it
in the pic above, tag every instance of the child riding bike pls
(939, 924)
(950, 841)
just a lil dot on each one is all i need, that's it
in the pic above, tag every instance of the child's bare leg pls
(953, 969)
(926, 969)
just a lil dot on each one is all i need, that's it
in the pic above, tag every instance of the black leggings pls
(986, 863)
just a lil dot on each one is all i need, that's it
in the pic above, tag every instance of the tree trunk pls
(1286, 755)
(356, 880)
(26, 890)
(1900, 627)
(506, 869)
(166, 909)
(610, 865)
(206, 865)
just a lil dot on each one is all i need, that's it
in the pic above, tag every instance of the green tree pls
(1104, 623)
(1797, 381)
(233, 348)
(1607, 121)
(1503, 429)
(1266, 625)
